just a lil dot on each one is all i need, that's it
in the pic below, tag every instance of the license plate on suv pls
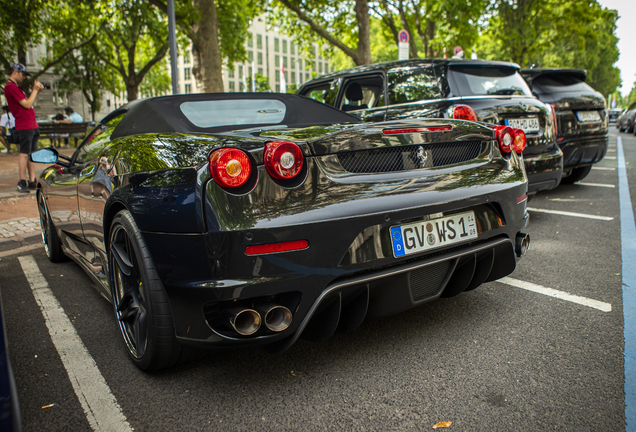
(529, 124)
(423, 235)
(588, 116)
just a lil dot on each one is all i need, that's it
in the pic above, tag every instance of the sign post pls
(403, 45)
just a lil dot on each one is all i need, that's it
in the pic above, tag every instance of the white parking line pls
(610, 157)
(99, 404)
(565, 213)
(604, 168)
(602, 306)
(595, 184)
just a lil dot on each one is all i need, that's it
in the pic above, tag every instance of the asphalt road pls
(497, 358)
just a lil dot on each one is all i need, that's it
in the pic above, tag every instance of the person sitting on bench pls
(73, 117)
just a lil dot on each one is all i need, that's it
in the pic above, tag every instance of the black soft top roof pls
(163, 114)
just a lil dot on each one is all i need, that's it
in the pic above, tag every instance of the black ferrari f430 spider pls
(254, 219)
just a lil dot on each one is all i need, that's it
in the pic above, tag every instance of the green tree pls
(343, 24)
(216, 30)
(134, 38)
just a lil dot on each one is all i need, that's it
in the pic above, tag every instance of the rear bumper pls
(584, 151)
(347, 274)
(544, 169)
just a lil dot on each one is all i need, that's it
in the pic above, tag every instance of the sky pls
(626, 33)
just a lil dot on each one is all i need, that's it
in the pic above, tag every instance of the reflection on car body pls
(286, 218)
(487, 91)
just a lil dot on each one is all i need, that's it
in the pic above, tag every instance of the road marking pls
(604, 168)
(565, 213)
(595, 304)
(595, 184)
(99, 404)
(628, 256)
(610, 157)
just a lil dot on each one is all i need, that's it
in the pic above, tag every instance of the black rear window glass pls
(214, 113)
(412, 84)
(557, 83)
(489, 80)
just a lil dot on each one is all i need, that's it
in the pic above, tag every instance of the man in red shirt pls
(26, 128)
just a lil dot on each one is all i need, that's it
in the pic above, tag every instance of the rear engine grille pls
(391, 159)
(425, 282)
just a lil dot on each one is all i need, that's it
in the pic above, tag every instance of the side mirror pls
(47, 156)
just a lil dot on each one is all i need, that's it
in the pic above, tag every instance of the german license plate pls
(530, 124)
(419, 236)
(588, 116)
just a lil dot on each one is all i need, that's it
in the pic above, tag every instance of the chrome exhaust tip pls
(245, 321)
(522, 244)
(276, 317)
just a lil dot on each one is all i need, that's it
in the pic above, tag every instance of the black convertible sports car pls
(253, 219)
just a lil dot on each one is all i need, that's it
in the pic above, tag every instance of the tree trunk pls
(430, 34)
(206, 49)
(363, 52)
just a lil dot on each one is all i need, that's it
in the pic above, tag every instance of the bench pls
(53, 130)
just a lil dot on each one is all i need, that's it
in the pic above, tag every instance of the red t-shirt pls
(24, 118)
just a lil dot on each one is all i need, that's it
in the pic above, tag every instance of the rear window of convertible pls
(208, 114)
(489, 80)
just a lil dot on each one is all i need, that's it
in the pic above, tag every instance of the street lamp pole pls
(173, 48)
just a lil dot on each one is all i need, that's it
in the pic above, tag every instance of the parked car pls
(252, 219)
(486, 91)
(582, 131)
(613, 114)
(9, 407)
(626, 121)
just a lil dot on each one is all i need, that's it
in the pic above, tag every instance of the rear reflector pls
(276, 247)
(522, 198)
(416, 130)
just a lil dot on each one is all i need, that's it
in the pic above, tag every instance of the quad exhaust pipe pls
(522, 244)
(247, 321)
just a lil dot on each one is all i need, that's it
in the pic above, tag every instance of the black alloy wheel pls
(139, 299)
(52, 243)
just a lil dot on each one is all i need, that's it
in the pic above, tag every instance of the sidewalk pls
(19, 219)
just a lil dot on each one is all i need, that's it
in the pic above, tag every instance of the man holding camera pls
(26, 128)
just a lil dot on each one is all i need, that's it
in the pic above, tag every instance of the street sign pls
(403, 45)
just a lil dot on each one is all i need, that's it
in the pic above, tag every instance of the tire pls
(52, 242)
(139, 299)
(577, 175)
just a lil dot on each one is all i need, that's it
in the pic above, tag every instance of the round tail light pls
(283, 159)
(505, 137)
(464, 112)
(519, 140)
(230, 167)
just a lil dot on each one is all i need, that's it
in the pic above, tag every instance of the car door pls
(95, 184)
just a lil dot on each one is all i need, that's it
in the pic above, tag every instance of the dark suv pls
(487, 91)
(582, 120)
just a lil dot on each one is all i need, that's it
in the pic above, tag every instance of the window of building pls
(284, 47)
(319, 67)
(187, 74)
(240, 69)
(259, 41)
(285, 61)
(188, 88)
(326, 68)
(313, 66)
(306, 77)
(250, 41)
(277, 74)
(293, 77)
(230, 71)
(291, 48)
(231, 86)
(292, 63)
(241, 87)
(260, 71)
(276, 45)
(187, 57)
(276, 60)
(250, 56)
(259, 58)
(277, 88)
